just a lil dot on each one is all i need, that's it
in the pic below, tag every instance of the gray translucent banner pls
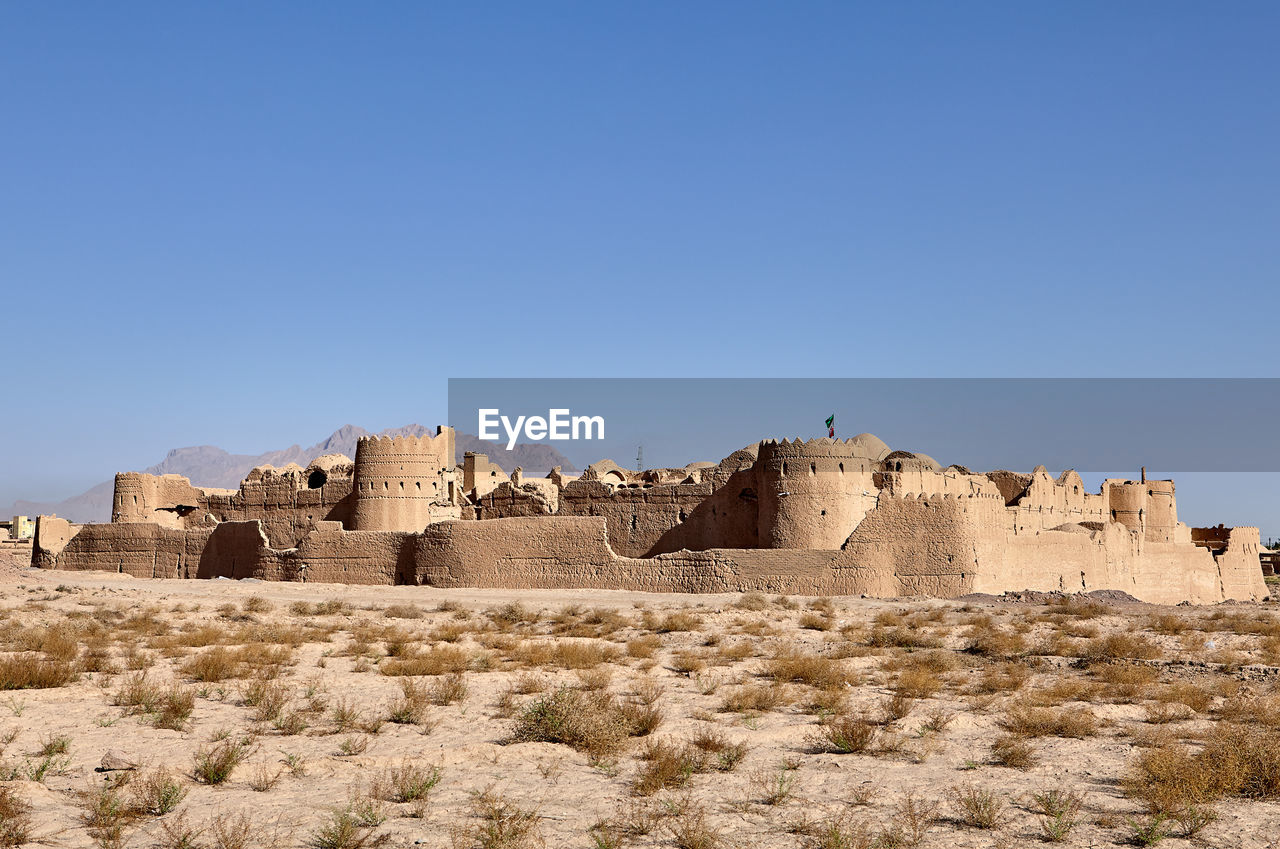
(1092, 425)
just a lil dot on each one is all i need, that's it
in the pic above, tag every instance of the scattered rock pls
(115, 759)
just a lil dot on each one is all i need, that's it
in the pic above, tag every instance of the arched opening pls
(317, 479)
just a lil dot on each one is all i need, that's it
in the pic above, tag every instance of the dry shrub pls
(402, 611)
(408, 782)
(15, 818)
(688, 662)
(1012, 750)
(1236, 760)
(157, 792)
(1002, 678)
(138, 694)
(174, 708)
(590, 722)
(989, 641)
(667, 767)
(1064, 688)
(30, 672)
(1125, 682)
(1059, 811)
(1167, 623)
(1187, 693)
(1244, 760)
(411, 707)
(503, 825)
(755, 698)
(256, 604)
(439, 660)
(1029, 721)
(1263, 709)
(105, 815)
(917, 683)
(267, 698)
(220, 663)
(846, 733)
(448, 689)
(1159, 713)
(214, 765)
(815, 622)
(976, 807)
(568, 654)
(903, 637)
(789, 665)
(897, 707)
(642, 719)
(643, 647)
(678, 620)
(751, 601)
(713, 742)
(690, 829)
(1120, 647)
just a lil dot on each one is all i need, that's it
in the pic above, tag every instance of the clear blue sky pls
(246, 224)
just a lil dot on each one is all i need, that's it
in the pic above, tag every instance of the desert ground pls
(224, 714)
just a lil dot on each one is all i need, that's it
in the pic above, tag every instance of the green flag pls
(831, 425)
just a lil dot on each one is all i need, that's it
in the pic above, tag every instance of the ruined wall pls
(166, 500)
(52, 536)
(140, 549)
(479, 476)
(397, 479)
(332, 555)
(1240, 565)
(289, 501)
(638, 515)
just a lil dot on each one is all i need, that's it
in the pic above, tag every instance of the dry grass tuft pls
(590, 722)
(976, 807)
(1028, 721)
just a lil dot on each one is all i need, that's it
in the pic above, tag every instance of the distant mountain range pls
(210, 466)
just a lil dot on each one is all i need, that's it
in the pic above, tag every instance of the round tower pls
(811, 492)
(134, 499)
(1128, 503)
(398, 478)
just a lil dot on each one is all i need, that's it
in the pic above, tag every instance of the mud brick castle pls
(822, 516)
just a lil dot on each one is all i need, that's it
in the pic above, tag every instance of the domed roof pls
(921, 460)
(870, 446)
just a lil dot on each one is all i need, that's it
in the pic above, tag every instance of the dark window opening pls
(317, 479)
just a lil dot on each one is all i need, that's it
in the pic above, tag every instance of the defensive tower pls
(398, 478)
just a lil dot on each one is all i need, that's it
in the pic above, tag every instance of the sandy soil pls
(785, 787)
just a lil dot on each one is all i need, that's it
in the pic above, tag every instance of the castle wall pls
(332, 555)
(817, 517)
(919, 545)
(637, 515)
(140, 549)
